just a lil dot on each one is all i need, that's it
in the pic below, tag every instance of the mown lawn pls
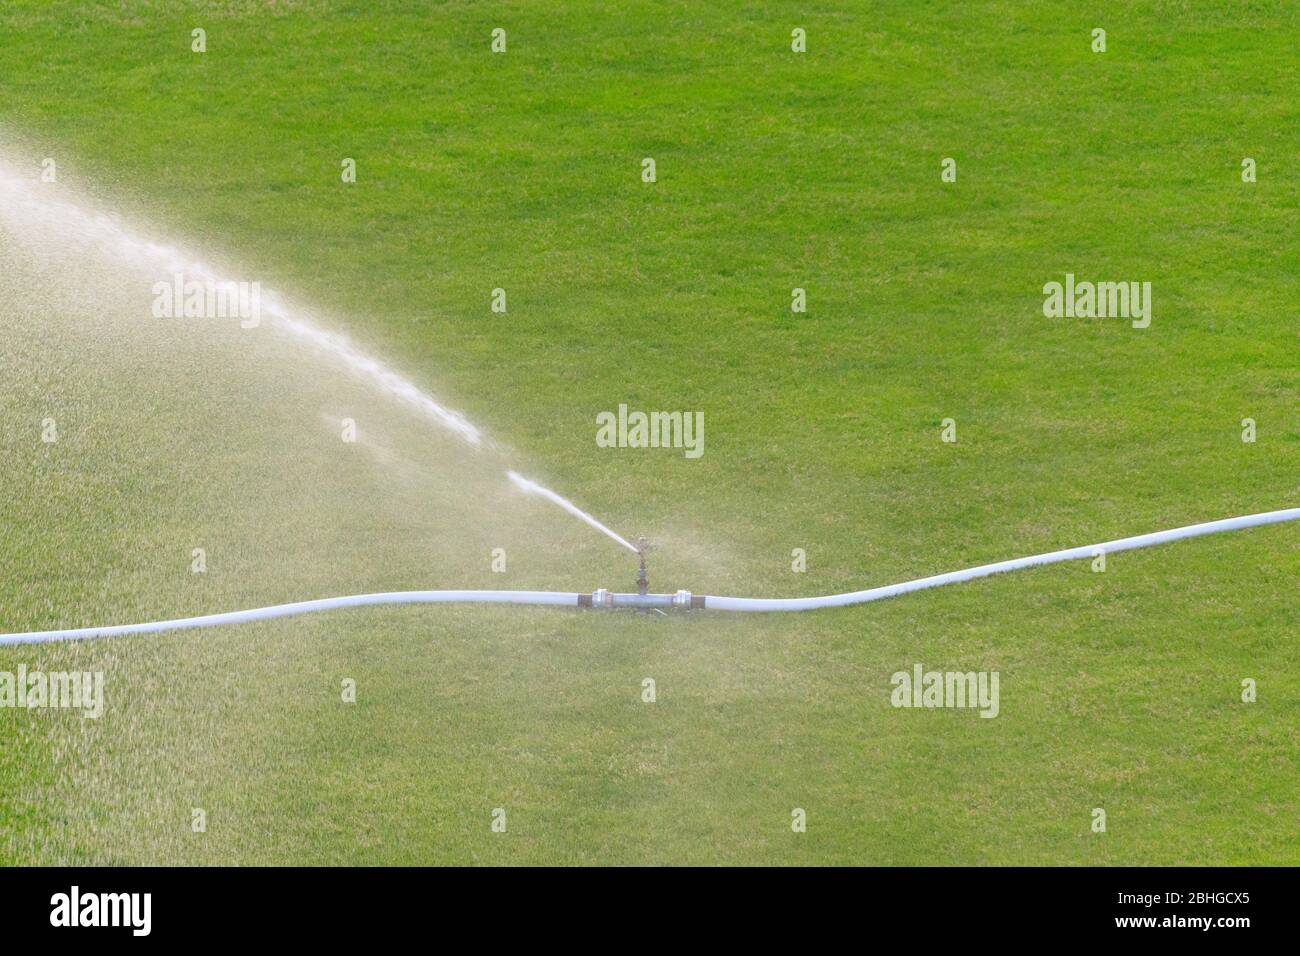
(775, 170)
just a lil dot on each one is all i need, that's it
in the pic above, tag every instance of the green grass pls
(775, 170)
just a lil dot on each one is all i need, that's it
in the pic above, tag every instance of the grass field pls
(775, 170)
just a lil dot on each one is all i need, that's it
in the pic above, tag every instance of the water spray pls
(533, 488)
(26, 205)
(681, 600)
(29, 205)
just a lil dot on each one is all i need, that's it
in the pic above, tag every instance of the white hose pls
(299, 607)
(984, 570)
(711, 603)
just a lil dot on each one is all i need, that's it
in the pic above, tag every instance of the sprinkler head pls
(643, 600)
(643, 581)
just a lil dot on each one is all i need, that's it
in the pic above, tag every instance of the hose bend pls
(1015, 564)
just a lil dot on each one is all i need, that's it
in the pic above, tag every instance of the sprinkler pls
(643, 548)
(642, 600)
